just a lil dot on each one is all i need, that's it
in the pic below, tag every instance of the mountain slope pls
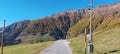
(56, 25)
(12, 31)
(105, 17)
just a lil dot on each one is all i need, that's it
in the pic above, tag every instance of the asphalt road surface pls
(59, 47)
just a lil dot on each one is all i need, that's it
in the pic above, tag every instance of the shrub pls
(36, 39)
(47, 38)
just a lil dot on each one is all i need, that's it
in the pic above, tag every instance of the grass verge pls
(26, 48)
(107, 42)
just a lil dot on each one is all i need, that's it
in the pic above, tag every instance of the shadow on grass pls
(113, 51)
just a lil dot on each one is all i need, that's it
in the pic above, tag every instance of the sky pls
(18, 10)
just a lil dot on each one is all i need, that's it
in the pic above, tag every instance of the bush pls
(47, 38)
(44, 38)
(34, 39)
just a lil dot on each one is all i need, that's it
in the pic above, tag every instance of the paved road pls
(59, 47)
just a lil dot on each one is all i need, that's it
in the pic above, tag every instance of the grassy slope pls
(26, 48)
(104, 42)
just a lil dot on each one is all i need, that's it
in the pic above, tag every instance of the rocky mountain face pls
(61, 24)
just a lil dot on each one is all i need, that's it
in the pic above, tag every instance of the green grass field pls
(107, 42)
(26, 48)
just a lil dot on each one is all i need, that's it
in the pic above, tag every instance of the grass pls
(26, 48)
(107, 42)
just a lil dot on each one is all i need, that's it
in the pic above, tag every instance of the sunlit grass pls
(105, 42)
(26, 48)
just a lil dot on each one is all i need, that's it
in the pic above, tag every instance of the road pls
(59, 47)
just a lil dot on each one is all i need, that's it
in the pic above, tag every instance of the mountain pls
(12, 31)
(0, 30)
(104, 17)
(62, 24)
(56, 25)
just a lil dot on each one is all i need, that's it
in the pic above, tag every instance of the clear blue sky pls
(17, 10)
